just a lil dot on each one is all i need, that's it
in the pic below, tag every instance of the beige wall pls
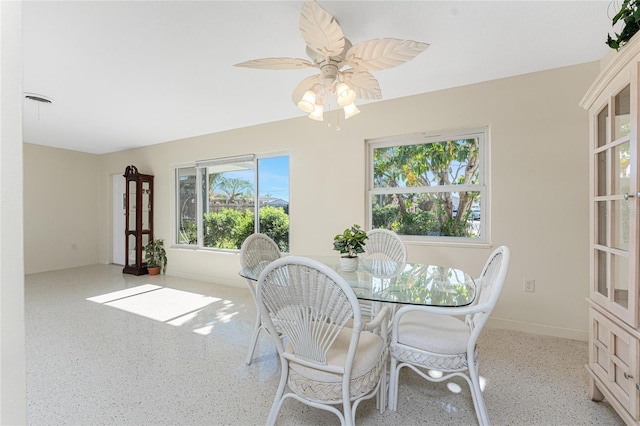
(539, 193)
(61, 195)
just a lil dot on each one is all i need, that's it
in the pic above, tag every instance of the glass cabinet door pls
(146, 205)
(132, 198)
(614, 204)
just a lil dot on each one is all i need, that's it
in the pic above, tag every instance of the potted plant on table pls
(350, 243)
(156, 257)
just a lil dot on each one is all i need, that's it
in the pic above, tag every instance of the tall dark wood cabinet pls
(138, 219)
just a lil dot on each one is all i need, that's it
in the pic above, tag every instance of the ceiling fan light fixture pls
(350, 110)
(317, 113)
(330, 52)
(308, 101)
(345, 95)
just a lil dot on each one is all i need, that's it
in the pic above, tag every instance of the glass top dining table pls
(392, 282)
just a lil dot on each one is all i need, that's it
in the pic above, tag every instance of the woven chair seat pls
(429, 332)
(431, 361)
(326, 386)
(441, 341)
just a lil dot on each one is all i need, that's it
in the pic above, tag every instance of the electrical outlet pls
(529, 285)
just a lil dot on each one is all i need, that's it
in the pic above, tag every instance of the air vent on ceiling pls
(38, 98)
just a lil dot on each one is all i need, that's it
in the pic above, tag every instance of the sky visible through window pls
(273, 173)
(274, 177)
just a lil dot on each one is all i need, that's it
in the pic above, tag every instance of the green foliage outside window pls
(274, 222)
(228, 228)
(188, 232)
(431, 171)
(420, 223)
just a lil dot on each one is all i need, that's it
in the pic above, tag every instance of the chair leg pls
(383, 392)
(349, 414)
(277, 401)
(476, 394)
(254, 339)
(393, 385)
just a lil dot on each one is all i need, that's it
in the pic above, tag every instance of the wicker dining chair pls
(255, 250)
(437, 344)
(382, 245)
(324, 364)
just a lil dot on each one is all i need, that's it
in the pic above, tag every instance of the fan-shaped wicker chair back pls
(257, 249)
(312, 305)
(489, 286)
(434, 338)
(385, 245)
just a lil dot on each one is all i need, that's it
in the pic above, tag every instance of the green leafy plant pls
(630, 15)
(350, 242)
(155, 255)
(228, 228)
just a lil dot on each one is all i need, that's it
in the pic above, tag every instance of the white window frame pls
(198, 165)
(483, 187)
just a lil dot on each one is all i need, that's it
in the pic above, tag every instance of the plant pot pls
(153, 270)
(348, 264)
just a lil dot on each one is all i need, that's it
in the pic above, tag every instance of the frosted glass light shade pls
(344, 94)
(317, 113)
(350, 110)
(308, 101)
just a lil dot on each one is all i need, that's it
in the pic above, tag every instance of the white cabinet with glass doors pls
(614, 365)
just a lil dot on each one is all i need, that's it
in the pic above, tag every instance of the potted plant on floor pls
(350, 243)
(156, 257)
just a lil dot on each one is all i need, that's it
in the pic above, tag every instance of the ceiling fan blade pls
(364, 83)
(374, 55)
(276, 64)
(303, 86)
(320, 30)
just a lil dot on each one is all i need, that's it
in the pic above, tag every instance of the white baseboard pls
(545, 330)
(207, 278)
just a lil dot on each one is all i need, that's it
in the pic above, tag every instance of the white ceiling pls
(126, 74)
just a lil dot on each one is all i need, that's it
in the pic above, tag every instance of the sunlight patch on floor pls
(171, 306)
(121, 294)
(435, 374)
(454, 387)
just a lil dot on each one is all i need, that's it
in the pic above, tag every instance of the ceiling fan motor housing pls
(329, 73)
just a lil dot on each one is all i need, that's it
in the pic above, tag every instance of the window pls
(217, 201)
(430, 187)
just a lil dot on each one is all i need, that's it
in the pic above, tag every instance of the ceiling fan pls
(344, 69)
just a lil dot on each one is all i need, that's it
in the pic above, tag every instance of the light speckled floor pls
(172, 353)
